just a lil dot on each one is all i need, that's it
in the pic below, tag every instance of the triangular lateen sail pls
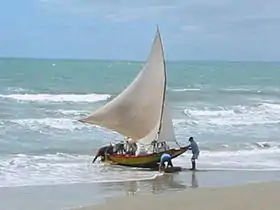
(166, 134)
(167, 130)
(136, 112)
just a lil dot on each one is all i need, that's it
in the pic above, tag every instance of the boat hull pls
(142, 161)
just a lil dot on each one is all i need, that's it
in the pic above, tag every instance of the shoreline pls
(256, 195)
(71, 196)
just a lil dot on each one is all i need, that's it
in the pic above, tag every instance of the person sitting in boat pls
(162, 146)
(119, 148)
(159, 146)
(154, 145)
(165, 158)
(131, 146)
(166, 146)
(195, 151)
(103, 151)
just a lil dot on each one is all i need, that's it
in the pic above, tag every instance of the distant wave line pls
(93, 97)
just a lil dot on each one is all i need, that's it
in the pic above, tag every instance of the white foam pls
(236, 115)
(16, 89)
(57, 123)
(27, 170)
(58, 97)
(266, 159)
(185, 89)
(69, 112)
(51, 169)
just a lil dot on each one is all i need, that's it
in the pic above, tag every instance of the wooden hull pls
(142, 161)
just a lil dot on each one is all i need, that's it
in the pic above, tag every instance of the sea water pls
(232, 109)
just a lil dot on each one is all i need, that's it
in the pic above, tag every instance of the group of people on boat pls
(129, 147)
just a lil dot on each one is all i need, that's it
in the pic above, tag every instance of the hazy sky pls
(120, 29)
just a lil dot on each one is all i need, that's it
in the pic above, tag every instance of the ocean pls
(232, 109)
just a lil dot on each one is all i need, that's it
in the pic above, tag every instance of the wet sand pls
(71, 196)
(257, 196)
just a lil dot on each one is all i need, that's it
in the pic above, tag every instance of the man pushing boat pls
(103, 151)
(165, 158)
(118, 148)
(195, 151)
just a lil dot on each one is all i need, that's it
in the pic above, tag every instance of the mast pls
(164, 89)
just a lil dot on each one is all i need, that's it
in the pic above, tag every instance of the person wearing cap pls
(195, 151)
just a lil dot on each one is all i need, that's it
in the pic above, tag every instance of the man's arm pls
(189, 146)
(97, 155)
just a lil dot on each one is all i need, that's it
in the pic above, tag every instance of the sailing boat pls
(141, 113)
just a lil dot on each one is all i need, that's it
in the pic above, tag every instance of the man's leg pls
(170, 163)
(193, 164)
(162, 166)
(194, 157)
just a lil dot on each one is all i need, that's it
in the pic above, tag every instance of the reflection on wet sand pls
(160, 184)
(166, 182)
(194, 180)
(132, 187)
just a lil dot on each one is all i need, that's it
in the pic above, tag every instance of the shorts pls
(195, 156)
(165, 158)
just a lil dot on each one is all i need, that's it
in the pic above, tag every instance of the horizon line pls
(136, 61)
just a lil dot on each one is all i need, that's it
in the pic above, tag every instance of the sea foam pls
(57, 97)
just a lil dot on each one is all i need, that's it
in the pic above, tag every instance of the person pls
(165, 157)
(195, 151)
(103, 151)
(131, 146)
(119, 148)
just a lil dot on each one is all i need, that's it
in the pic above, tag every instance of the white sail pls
(136, 112)
(166, 133)
(167, 130)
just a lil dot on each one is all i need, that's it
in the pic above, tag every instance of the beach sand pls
(257, 196)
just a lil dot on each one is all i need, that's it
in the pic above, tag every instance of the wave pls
(184, 89)
(62, 168)
(258, 114)
(274, 92)
(50, 126)
(68, 112)
(16, 90)
(260, 91)
(257, 159)
(54, 123)
(57, 97)
(240, 146)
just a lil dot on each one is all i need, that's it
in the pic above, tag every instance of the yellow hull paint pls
(149, 160)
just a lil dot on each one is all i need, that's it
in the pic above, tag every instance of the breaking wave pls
(55, 123)
(61, 168)
(263, 91)
(184, 89)
(57, 97)
(258, 114)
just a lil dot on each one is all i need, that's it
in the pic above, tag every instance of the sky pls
(125, 29)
